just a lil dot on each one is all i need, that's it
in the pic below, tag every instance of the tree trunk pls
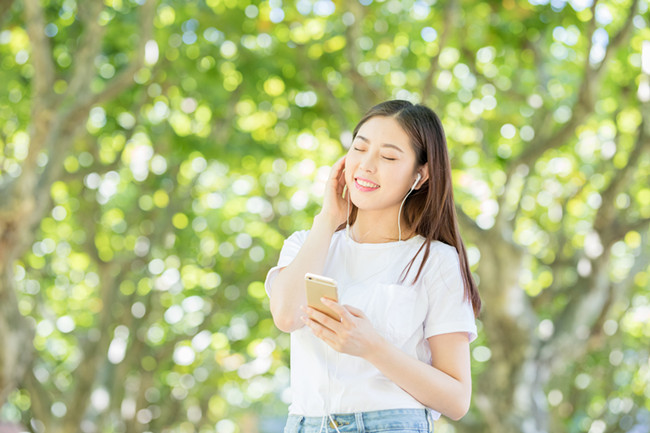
(56, 122)
(16, 335)
(504, 387)
(17, 212)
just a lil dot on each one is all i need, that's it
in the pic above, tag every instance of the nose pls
(368, 162)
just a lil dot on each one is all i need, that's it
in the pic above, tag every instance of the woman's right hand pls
(335, 205)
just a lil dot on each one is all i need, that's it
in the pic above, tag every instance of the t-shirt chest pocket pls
(392, 310)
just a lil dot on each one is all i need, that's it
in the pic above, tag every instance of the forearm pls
(426, 383)
(288, 289)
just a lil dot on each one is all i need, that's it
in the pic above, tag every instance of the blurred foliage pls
(176, 200)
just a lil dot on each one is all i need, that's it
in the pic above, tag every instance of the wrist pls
(325, 222)
(377, 351)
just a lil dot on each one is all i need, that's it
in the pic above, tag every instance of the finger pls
(345, 315)
(331, 342)
(338, 168)
(355, 311)
(336, 178)
(340, 185)
(322, 318)
(324, 334)
(318, 329)
(338, 171)
(341, 179)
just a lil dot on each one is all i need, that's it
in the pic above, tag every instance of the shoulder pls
(447, 254)
(293, 243)
(443, 249)
(442, 255)
(442, 264)
(299, 235)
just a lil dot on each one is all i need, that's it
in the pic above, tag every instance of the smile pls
(365, 185)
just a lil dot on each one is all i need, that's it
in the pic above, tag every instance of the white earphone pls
(417, 179)
(399, 226)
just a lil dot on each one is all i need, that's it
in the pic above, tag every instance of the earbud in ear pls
(417, 179)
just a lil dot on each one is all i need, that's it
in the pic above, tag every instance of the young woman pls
(388, 234)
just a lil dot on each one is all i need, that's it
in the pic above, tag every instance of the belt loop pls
(427, 412)
(358, 418)
(293, 423)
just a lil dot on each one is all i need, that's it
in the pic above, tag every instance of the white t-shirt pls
(324, 381)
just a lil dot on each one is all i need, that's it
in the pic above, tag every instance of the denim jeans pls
(392, 420)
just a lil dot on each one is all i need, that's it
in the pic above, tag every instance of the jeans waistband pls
(371, 420)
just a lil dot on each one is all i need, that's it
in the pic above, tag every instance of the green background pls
(155, 155)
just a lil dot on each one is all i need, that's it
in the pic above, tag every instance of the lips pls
(365, 185)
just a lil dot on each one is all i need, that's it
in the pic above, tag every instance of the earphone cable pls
(399, 213)
(327, 397)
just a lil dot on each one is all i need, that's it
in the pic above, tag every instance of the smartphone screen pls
(317, 287)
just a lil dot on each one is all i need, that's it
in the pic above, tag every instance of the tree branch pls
(560, 263)
(38, 395)
(319, 84)
(639, 226)
(222, 128)
(84, 64)
(471, 55)
(363, 91)
(594, 300)
(574, 348)
(94, 352)
(54, 169)
(42, 110)
(584, 103)
(540, 63)
(620, 38)
(588, 299)
(607, 213)
(125, 78)
(582, 107)
(71, 120)
(449, 20)
(41, 51)
(5, 6)
(503, 217)
(543, 142)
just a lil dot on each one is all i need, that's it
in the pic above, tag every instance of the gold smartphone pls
(318, 287)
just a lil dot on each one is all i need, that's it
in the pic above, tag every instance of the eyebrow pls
(383, 145)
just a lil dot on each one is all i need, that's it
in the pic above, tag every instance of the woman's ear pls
(424, 176)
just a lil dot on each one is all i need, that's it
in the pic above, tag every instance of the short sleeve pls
(448, 311)
(289, 252)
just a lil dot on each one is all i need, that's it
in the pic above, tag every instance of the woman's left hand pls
(353, 335)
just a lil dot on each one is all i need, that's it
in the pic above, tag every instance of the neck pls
(378, 227)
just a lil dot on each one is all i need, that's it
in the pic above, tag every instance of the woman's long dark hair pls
(430, 209)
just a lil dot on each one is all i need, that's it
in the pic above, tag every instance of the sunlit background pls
(156, 153)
